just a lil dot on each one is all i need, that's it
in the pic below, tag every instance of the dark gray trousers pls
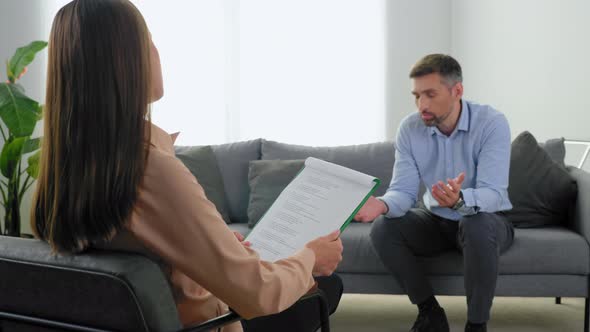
(481, 238)
(302, 316)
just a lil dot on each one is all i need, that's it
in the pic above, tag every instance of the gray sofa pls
(543, 262)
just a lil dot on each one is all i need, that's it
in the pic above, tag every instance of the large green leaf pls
(33, 161)
(10, 156)
(19, 112)
(31, 144)
(23, 57)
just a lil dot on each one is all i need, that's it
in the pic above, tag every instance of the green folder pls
(351, 217)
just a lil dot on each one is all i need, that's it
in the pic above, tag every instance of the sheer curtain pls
(303, 72)
(312, 72)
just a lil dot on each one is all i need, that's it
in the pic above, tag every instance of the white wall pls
(414, 29)
(21, 22)
(298, 72)
(529, 59)
(310, 69)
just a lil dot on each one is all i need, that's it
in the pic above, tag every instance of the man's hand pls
(448, 194)
(240, 238)
(372, 209)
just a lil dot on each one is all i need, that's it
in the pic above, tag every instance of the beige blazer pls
(208, 268)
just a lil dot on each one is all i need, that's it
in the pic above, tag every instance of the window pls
(302, 72)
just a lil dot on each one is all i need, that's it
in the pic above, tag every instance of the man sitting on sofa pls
(461, 152)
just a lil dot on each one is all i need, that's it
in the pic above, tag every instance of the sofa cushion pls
(233, 160)
(202, 163)
(241, 228)
(548, 250)
(541, 191)
(375, 159)
(267, 179)
(359, 255)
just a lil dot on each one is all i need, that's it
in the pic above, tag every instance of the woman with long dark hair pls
(109, 179)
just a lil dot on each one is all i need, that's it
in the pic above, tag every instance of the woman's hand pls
(328, 253)
(240, 238)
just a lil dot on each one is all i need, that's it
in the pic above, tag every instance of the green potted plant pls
(19, 115)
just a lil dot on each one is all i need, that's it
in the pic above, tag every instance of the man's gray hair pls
(445, 65)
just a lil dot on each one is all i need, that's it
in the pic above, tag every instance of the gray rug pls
(372, 313)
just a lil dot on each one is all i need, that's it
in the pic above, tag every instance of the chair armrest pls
(316, 293)
(214, 323)
(231, 316)
(581, 216)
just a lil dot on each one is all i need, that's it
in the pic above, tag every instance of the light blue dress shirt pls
(479, 146)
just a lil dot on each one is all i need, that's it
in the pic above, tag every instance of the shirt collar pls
(463, 124)
(161, 139)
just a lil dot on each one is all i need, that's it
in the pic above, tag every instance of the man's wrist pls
(384, 204)
(459, 203)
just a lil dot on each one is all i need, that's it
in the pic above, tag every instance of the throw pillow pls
(267, 179)
(233, 160)
(555, 148)
(201, 162)
(541, 190)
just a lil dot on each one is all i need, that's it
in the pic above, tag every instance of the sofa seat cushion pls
(240, 228)
(551, 250)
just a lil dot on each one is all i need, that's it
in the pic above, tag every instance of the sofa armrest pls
(581, 214)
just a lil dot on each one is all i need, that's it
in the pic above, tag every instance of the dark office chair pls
(95, 291)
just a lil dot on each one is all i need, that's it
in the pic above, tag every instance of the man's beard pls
(435, 121)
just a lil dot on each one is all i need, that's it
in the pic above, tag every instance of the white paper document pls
(322, 198)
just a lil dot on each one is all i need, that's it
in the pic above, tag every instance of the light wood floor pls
(372, 313)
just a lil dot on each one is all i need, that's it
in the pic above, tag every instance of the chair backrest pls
(99, 289)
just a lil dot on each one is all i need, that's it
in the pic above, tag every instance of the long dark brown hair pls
(96, 123)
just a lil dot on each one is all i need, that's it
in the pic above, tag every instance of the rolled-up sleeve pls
(405, 182)
(491, 188)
